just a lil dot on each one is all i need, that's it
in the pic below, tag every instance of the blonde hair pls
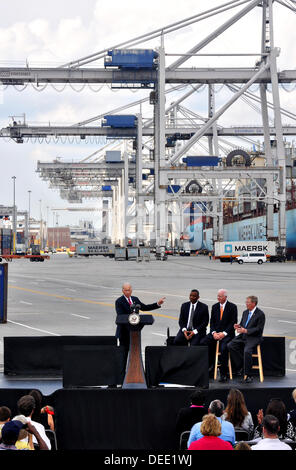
(210, 426)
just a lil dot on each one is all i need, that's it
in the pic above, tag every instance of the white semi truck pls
(229, 249)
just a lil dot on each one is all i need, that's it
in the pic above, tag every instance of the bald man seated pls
(123, 307)
(223, 318)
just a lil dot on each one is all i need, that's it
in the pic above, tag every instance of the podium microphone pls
(135, 308)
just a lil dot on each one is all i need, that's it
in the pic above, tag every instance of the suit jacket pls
(200, 317)
(122, 307)
(256, 324)
(228, 320)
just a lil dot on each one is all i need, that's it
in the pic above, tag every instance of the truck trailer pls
(227, 250)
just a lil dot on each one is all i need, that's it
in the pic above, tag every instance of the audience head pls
(270, 426)
(210, 426)
(236, 407)
(276, 407)
(216, 408)
(23, 434)
(294, 395)
(242, 446)
(5, 414)
(26, 405)
(10, 432)
(38, 400)
(198, 397)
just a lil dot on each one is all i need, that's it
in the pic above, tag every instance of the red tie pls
(129, 301)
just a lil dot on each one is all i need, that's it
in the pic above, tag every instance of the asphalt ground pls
(76, 296)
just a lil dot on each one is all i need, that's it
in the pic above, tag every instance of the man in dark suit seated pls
(123, 307)
(223, 318)
(193, 321)
(250, 332)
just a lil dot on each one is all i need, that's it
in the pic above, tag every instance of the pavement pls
(75, 296)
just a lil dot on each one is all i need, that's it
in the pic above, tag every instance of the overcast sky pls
(51, 33)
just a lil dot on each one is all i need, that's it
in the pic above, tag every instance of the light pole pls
(41, 226)
(53, 229)
(29, 233)
(14, 216)
(47, 224)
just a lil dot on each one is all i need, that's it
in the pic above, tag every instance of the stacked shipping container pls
(5, 241)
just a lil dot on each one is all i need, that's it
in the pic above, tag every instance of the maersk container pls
(119, 120)
(131, 58)
(106, 188)
(225, 250)
(201, 161)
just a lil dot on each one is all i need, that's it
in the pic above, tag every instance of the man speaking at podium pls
(123, 307)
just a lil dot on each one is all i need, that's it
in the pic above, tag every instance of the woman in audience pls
(210, 429)
(237, 413)
(277, 408)
(45, 414)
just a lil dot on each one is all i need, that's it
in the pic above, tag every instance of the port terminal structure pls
(155, 165)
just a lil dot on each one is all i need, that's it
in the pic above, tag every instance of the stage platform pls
(98, 418)
(49, 385)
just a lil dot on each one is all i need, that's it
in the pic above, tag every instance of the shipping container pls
(93, 248)
(225, 250)
(201, 161)
(119, 121)
(6, 241)
(131, 58)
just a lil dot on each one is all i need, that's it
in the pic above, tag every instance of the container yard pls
(147, 223)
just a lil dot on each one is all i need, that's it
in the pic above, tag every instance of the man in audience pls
(26, 406)
(227, 430)
(270, 439)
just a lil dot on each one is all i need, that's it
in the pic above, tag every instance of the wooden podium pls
(134, 375)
